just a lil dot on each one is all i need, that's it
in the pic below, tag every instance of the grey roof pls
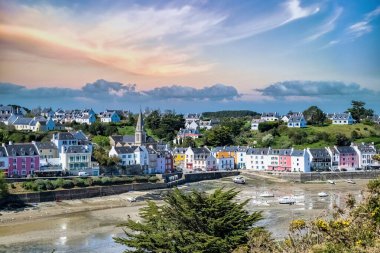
(319, 152)
(3, 152)
(45, 145)
(279, 152)
(77, 149)
(341, 116)
(365, 148)
(295, 118)
(21, 149)
(22, 121)
(269, 114)
(65, 136)
(201, 150)
(179, 150)
(296, 152)
(79, 135)
(123, 139)
(125, 150)
(257, 151)
(345, 150)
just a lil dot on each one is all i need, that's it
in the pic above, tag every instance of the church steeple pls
(140, 136)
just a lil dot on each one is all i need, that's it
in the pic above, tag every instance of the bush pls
(79, 182)
(13, 186)
(88, 182)
(67, 184)
(40, 184)
(141, 179)
(96, 181)
(153, 179)
(49, 185)
(106, 181)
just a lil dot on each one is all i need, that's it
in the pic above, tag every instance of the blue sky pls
(190, 55)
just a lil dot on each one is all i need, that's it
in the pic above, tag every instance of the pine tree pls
(191, 222)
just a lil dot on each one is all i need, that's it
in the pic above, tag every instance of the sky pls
(190, 56)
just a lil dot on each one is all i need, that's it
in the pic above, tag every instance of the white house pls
(270, 116)
(240, 153)
(86, 119)
(255, 124)
(300, 161)
(192, 125)
(297, 121)
(342, 119)
(64, 139)
(256, 158)
(76, 158)
(365, 153)
(200, 159)
(142, 156)
(126, 154)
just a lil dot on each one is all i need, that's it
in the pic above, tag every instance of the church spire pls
(140, 136)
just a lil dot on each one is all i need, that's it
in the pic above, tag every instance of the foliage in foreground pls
(3, 186)
(194, 222)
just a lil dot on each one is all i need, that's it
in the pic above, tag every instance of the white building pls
(126, 154)
(255, 124)
(256, 158)
(342, 119)
(200, 159)
(108, 117)
(270, 116)
(365, 153)
(300, 161)
(296, 121)
(76, 158)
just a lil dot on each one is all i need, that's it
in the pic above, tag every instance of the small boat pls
(323, 194)
(267, 195)
(350, 181)
(331, 181)
(131, 199)
(239, 180)
(287, 200)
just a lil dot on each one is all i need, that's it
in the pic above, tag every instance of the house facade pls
(320, 159)
(348, 158)
(300, 161)
(179, 155)
(200, 159)
(109, 117)
(270, 116)
(75, 159)
(365, 154)
(23, 159)
(296, 121)
(342, 119)
(126, 154)
(256, 158)
(255, 124)
(4, 161)
(280, 160)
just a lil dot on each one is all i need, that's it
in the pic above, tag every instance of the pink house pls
(23, 159)
(280, 160)
(348, 158)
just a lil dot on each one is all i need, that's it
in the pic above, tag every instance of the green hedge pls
(45, 184)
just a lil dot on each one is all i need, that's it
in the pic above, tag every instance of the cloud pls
(328, 26)
(141, 40)
(364, 26)
(107, 91)
(316, 89)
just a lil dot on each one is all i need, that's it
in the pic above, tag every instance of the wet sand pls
(88, 225)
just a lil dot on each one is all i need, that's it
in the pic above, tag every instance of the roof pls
(295, 118)
(45, 145)
(123, 139)
(257, 151)
(365, 148)
(125, 150)
(225, 148)
(3, 152)
(64, 136)
(22, 121)
(269, 114)
(319, 152)
(279, 151)
(345, 150)
(179, 150)
(21, 149)
(77, 149)
(79, 135)
(296, 152)
(201, 150)
(341, 116)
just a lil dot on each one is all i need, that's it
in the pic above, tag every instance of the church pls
(138, 139)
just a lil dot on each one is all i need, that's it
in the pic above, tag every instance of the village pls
(71, 152)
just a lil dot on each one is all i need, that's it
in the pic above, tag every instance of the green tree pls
(218, 136)
(188, 142)
(267, 140)
(152, 121)
(314, 116)
(194, 222)
(3, 186)
(266, 126)
(100, 140)
(358, 111)
(342, 140)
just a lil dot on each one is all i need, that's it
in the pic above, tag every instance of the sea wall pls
(323, 176)
(98, 191)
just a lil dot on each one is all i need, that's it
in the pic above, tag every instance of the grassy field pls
(127, 130)
(365, 133)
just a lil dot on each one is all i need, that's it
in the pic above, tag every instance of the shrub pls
(141, 179)
(59, 183)
(153, 179)
(49, 185)
(106, 181)
(79, 182)
(96, 181)
(88, 182)
(67, 184)
(40, 184)
(13, 186)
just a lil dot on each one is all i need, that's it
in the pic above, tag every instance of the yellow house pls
(179, 157)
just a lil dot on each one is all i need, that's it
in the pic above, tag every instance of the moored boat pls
(287, 200)
(239, 180)
(323, 194)
(350, 181)
(331, 181)
(267, 195)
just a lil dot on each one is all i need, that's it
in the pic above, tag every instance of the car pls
(83, 174)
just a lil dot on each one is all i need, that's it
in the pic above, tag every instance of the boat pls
(287, 200)
(267, 195)
(350, 181)
(331, 181)
(323, 194)
(239, 180)
(131, 199)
